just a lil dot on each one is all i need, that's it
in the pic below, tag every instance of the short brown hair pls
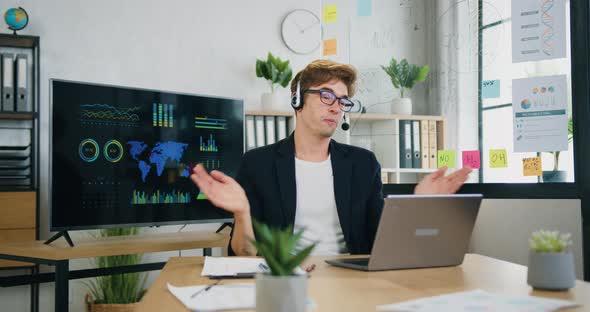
(322, 71)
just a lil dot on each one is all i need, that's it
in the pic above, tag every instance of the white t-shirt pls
(316, 208)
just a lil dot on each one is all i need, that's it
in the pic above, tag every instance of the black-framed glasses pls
(329, 98)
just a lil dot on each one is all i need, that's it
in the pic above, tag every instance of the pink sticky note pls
(471, 159)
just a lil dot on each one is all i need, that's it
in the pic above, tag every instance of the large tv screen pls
(123, 156)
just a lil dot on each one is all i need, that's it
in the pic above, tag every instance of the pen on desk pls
(264, 267)
(205, 289)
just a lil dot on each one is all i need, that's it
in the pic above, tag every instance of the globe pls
(16, 18)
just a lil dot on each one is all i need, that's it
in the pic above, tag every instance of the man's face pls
(319, 118)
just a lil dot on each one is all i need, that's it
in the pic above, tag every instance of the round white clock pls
(302, 31)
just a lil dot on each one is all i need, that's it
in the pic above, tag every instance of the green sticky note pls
(446, 158)
(498, 158)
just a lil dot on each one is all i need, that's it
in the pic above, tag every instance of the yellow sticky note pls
(498, 158)
(330, 13)
(330, 47)
(532, 167)
(446, 158)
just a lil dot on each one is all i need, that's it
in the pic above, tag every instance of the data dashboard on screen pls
(123, 156)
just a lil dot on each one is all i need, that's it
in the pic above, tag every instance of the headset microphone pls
(345, 125)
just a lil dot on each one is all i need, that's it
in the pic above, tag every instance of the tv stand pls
(58, 235)
(224, 225)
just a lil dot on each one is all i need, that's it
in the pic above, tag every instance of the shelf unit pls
(19, 147)
(380, 134)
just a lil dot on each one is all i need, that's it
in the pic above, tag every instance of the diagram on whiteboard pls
(374, 90)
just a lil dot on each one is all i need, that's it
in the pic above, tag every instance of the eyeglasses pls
(329, 98)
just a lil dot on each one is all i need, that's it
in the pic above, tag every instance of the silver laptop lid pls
(418, 231)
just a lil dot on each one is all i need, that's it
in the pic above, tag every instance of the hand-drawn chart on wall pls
(538, 30)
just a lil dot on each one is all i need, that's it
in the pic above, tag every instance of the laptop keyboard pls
(357, 261)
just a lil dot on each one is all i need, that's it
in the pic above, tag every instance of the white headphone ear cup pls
(296, 100)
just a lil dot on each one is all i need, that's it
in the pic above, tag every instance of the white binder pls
(7, 82)
(22, 90)
(259, 122)
(250, 133)
(270, 129)
(281, 127)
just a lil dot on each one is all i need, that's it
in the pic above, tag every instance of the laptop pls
(420, 231)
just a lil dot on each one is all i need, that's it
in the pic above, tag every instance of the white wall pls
(204, 47)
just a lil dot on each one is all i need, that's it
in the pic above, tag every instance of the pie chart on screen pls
(526, 104)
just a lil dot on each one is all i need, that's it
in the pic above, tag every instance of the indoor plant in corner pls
(557, 175)
(551, 263)
(116, 292)
(403, 77)
(280, 290)
(278, 73)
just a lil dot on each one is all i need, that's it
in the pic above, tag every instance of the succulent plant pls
(549, 241)
(277, 247)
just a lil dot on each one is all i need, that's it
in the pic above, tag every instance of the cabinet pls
(379, 133)
(19, 140)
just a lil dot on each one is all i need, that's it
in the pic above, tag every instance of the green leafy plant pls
(570, 137)
(118, 288)
(404, 75)
(275, 71)
(549, 241)
(278, 248)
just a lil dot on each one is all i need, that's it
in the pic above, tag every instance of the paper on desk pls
(217, 298)
(231, 266)
(478, 300)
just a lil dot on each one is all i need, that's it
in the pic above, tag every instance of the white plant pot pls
(551, 271)
(401, 106)
(273, 101)
(281, 293)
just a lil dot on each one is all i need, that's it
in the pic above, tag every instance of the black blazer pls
(267, 174)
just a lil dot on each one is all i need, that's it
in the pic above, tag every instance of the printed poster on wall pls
(538, 30)
(540, 114)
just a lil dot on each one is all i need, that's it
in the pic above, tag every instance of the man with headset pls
(310, 181)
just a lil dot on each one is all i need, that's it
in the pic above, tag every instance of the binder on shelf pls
(22, 100)
(259, 123)
(424, 147)
(384, 177)
(270, 129)
(405, 145)
(416, 145)
(250, 133)
(7, 82)
(281, 127)
(432, 142)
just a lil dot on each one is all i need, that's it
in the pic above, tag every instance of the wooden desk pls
(59, 253)
(338, 289)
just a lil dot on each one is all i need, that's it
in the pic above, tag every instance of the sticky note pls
(446, 158)
(490, 89)
(498, 158)
(330, 13)
(471, 159)
(532, 167)
(364, 7)
(330, 47)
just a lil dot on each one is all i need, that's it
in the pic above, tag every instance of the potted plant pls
(117, 292)
(278, 73)
(551, 263)
(403, 77)
(280, 290)
(557, 175)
